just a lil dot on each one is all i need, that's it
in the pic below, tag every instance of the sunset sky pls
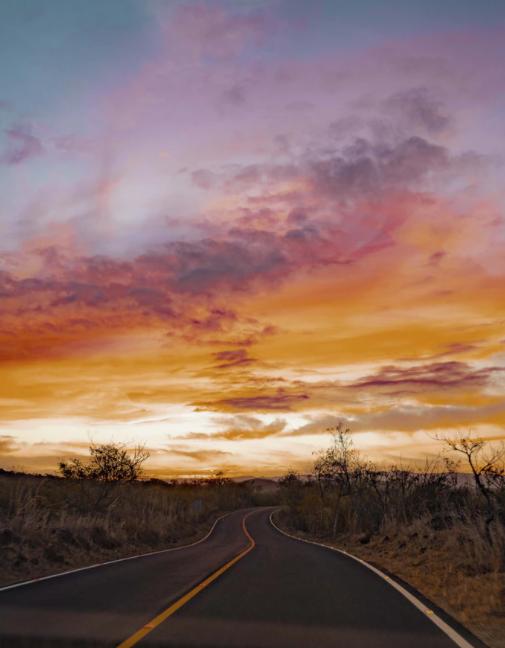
(226, 226)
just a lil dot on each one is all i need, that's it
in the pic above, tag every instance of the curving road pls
(274, 592)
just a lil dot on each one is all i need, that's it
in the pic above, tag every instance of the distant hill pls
(262, 484)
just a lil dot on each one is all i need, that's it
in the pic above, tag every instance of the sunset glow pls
(226, 226)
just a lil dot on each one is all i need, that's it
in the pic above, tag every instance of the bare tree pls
(109, 462)
(337, 467)
(336, 464)
(486, 463)
(487, 466)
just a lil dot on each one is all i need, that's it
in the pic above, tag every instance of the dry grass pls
(49, 525)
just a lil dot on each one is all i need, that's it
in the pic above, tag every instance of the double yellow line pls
(154, 623)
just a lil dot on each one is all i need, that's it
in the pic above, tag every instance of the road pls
(279, 593)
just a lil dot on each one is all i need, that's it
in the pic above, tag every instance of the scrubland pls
(50, 524)
(441, 534)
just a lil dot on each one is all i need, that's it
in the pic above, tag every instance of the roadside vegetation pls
(440, 530)
(101, 509)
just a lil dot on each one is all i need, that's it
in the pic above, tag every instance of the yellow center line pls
(154, 623)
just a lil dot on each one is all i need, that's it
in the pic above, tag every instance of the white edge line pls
(445, 627)
(113, 562)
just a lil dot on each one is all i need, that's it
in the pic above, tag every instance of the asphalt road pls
(102, 606)
(282, 594)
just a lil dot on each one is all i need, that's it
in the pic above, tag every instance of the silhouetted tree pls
(487, 465)
(109, 462)
(485, 462)
(218, 479)
(338, 468)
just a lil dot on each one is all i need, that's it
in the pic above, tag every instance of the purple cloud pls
(21, 145)
(233, 358)
(418, 107)
(276, 401)
(366, 167)
(436, 375)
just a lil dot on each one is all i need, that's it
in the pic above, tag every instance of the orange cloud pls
(345, 282)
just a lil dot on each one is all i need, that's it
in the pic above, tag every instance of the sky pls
(227, 226)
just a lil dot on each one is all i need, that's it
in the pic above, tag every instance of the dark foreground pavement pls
(283, 594)
(102, 606)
